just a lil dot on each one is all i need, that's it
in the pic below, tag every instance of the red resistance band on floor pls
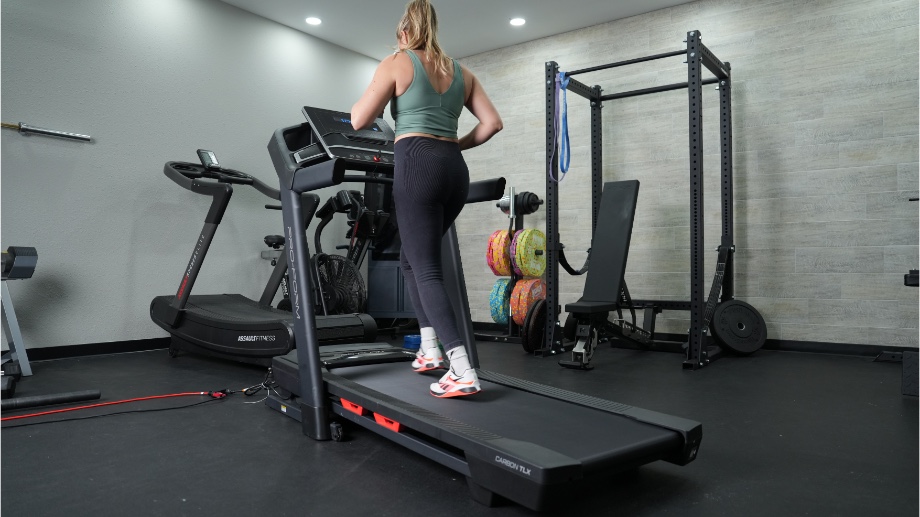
(213, 394)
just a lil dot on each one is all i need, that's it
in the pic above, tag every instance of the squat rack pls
(698, 353)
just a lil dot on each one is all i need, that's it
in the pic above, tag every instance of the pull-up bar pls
(627, 62)
(654, 89)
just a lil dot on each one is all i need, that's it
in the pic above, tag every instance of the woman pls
(427, 92)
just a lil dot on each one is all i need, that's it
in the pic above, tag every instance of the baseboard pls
(114, 347)
(673, 342)
(833, 348)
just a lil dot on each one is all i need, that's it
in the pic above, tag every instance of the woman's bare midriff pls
(426, 135)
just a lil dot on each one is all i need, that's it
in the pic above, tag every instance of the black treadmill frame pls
(295, 181)
(487, 457)
(700, 351)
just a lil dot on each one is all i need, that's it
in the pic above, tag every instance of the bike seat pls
(274, 241)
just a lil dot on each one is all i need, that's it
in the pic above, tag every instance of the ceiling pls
(467, 27)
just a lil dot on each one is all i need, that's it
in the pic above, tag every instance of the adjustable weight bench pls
(605, 288)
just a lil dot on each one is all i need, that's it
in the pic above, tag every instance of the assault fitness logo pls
(256, 338)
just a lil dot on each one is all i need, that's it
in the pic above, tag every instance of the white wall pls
(151, 81)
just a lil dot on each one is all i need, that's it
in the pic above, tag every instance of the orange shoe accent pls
(458, 393)
(429, 365)
(426, 364)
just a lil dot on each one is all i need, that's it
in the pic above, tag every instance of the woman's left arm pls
(376, 97)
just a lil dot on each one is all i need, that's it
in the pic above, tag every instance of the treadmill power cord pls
(212, 396)
(268, 384)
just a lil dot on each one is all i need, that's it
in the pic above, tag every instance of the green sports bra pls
(421, 109)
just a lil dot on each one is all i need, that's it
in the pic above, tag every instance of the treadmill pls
(233, 326)
(518, 440)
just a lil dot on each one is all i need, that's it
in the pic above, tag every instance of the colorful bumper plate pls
(500, 300)
(514, 244)
(529, 255)
(525, 294)
(500, 253)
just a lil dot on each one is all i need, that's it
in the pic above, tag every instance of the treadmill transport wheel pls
(534, 327)
(738, 327)
(336, 432)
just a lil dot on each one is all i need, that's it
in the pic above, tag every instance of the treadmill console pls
(208, 159)
(332, 136)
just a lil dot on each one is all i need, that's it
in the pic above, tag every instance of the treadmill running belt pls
(584, 434)
(234, 308)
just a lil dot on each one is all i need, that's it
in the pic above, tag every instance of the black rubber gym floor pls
(783, 434)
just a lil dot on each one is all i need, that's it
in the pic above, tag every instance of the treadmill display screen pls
(328, 122)
(342, 124)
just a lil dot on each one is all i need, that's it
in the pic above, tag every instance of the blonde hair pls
(421, 25)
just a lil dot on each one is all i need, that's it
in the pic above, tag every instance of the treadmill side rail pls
(690, 431)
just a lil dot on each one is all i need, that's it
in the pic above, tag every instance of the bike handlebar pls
(197, 178)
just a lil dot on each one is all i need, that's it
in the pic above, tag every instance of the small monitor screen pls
(339, 122)
(328, 122)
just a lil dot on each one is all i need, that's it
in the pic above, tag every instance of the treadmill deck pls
(597, 439)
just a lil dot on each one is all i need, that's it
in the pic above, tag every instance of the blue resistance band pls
(565, 152)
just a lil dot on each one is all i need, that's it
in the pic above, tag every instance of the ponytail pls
(421, 24)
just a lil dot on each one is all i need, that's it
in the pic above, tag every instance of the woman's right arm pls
(481, 107)
(376, 97)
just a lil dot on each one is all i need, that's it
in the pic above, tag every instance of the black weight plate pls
(537, 328)
(524, 341)
(738, 327)
(534, 325)
(525, 331)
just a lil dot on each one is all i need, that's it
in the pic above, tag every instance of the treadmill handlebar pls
(486, 190)
(332, 171)
(19, 262)
(321, 175)
(197, 178)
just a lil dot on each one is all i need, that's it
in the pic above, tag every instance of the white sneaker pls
(460, 379)
(428, 358)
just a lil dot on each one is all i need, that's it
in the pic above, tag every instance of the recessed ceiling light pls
(517, 21)
(314, 21)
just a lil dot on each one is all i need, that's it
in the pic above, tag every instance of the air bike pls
(518, 440)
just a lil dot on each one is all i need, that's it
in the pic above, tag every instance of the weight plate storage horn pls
(500, 300)
(739, 327)
(525, 294)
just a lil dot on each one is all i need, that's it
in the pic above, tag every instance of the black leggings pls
(430, 184)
